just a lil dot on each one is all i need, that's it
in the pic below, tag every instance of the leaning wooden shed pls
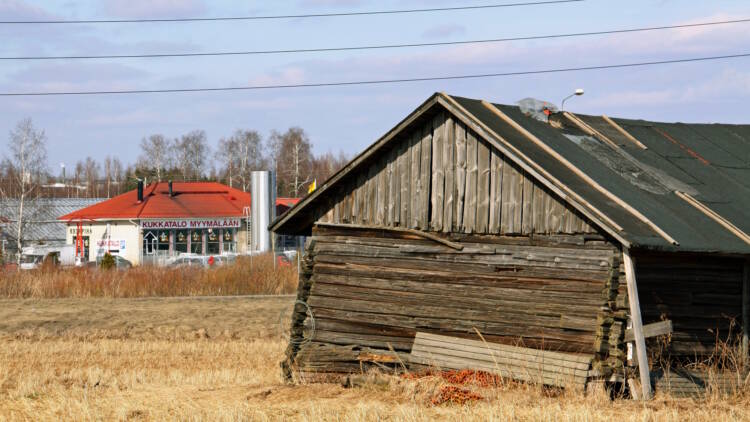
(474, 235)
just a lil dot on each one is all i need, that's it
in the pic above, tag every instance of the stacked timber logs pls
(609, 346)
(372, 290)
(300, 312)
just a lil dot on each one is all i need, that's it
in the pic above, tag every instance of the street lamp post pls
(577, 93)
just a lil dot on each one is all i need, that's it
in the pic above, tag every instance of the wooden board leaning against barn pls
(513, 362)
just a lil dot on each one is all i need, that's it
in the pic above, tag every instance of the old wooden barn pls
(476, 235)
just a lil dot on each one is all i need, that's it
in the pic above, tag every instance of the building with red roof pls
(163, 220)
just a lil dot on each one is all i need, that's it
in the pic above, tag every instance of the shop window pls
(163, 244)
(196, 242)
(229, 241)
(181, 241)
(212, 246)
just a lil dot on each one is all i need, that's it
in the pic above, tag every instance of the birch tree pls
(293, 160)
(91, 172)
(156, 153)
(240, 154)
(225, 154)
(191, 151)
(108, 174)
(27, 163)
(117, 175)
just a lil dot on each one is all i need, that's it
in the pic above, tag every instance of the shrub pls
(108, 261)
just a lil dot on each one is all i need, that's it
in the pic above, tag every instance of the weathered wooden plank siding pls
(423, 207)
(449, 165)
(438, 174)
(415, 181)
(460, 177)
(443, 177)
(372, 289)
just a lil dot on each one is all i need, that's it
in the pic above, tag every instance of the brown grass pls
(245, 277)
(75, 374)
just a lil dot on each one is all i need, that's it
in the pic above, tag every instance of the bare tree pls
(78, 177)
(293, 160)
(324, 166)
(155, 155)
(91, 173)
(225, 154)
(117, 174)
(242, 153)
(191, 151)
(27, 164)
(108, 174)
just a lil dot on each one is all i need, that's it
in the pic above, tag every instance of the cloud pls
(285, 76)
(20, 10)
(329, 3)
(150, 9)
(728, 84)
(55, 77)
(443, 31)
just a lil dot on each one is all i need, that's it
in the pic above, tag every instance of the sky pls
(350, 118)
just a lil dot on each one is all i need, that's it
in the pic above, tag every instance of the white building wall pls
(124, 233)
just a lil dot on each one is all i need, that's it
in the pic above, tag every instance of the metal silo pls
(263, 208)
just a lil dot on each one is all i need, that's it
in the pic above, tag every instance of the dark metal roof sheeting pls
(710, 162)
(41, 216)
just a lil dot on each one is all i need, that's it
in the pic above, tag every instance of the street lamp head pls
(578, 92)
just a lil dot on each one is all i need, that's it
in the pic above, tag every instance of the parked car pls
(188, 260)
(33, 257)
(31, 261)
(225, 259)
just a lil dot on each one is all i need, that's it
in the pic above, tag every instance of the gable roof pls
(664, 186)
(190, 200)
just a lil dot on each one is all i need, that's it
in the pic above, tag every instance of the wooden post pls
(745, 313)
(635, 317)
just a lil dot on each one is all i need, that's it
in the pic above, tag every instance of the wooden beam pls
(745, 313)
(651, 330)
(588, 129)
(714, 216)
(624, 132)
(635, 318)
(586, 178)
(426, 235)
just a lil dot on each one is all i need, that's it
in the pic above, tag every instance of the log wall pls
(370, 291)
(442, 177)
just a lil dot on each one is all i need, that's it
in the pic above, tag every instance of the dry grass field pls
(256, 275)
(217, 359)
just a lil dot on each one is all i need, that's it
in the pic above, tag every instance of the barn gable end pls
(441, 176)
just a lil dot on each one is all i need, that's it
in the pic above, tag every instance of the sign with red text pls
(192, 223)
(110, 244)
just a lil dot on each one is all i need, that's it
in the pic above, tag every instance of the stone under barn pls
(543, 245)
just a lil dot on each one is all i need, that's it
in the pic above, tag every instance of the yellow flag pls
(312, 186)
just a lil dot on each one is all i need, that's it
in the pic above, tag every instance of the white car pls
(33, 256)
(188, 260)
